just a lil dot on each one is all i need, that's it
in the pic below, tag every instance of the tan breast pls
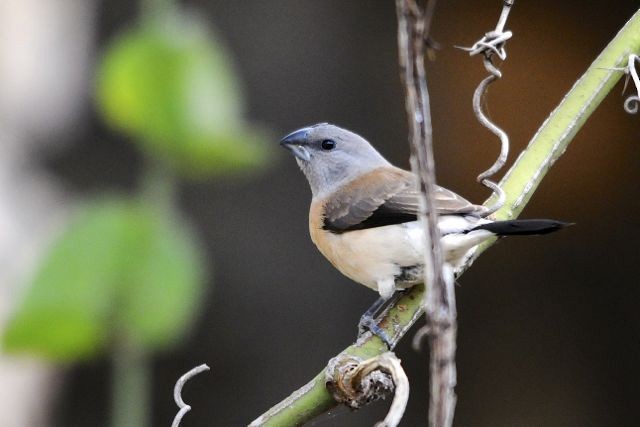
(316, 213)
(332, 245)
(321, 238)
(365, 256)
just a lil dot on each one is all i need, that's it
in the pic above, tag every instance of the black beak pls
(295, 142)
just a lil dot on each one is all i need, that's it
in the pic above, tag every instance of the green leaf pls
(66, 310)
(120, 270)
(203, 155)
(170, 84)
(161, 278)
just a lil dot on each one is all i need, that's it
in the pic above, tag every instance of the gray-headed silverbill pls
(363, 215)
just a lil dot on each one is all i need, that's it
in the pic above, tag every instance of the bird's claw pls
(368, 323)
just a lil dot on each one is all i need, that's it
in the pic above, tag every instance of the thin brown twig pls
(439, 303)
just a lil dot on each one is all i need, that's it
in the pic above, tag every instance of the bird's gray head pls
(331, 156)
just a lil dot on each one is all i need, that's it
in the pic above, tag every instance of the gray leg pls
(368, 321)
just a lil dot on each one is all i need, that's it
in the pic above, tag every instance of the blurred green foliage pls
(127, 273)
(122, 270)
(169, 84)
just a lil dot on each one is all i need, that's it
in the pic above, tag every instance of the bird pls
(364, 214)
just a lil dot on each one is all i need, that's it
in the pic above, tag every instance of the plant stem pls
(130, 386)
(131, 372)
(548, 144)
(553, 137)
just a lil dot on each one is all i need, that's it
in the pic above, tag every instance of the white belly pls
(369, 255)
(375, 255)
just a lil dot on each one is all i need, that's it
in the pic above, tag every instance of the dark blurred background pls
(549, 330)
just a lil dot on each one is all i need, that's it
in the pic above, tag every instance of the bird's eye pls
(328, 144)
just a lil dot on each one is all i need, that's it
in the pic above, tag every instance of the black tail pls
(523, 227)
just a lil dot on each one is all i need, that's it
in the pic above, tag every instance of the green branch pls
(548, 144)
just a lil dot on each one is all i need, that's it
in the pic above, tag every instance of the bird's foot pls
(368, 323)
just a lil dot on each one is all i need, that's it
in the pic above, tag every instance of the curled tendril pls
(493, 43)
(483, 178)
(177, 393)
(631, 104)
